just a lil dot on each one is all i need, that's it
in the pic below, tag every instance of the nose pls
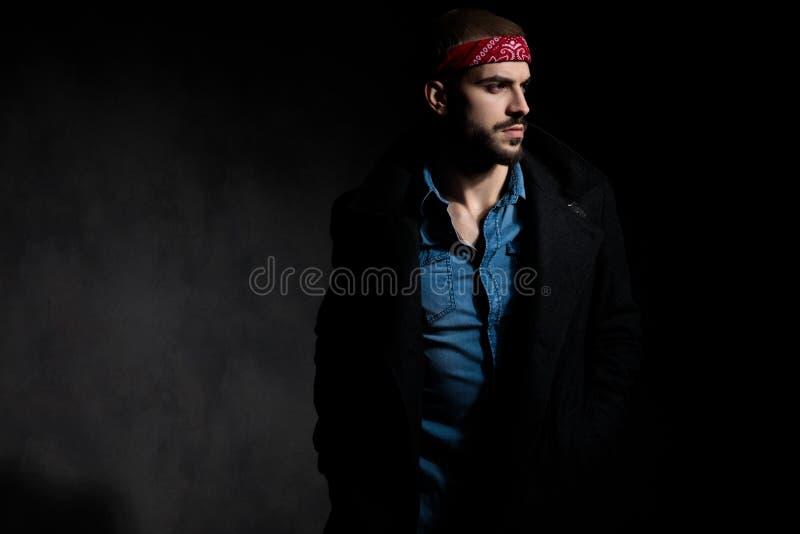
(518, 107)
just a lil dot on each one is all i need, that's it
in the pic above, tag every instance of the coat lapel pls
(405, 356)
(561, 248)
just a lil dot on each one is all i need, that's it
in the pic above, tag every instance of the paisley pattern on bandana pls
(491, 50)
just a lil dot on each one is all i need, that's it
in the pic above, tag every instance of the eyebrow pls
(501, 79)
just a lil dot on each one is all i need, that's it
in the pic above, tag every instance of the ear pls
(436, 97)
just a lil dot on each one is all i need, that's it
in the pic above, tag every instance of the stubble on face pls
(485, 141)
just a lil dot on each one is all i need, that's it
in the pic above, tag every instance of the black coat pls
(559, 393)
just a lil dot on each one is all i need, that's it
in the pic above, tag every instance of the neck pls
(461, 179)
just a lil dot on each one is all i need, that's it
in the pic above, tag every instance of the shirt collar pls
(511, 194)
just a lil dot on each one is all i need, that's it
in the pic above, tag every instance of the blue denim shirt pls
(464, 297)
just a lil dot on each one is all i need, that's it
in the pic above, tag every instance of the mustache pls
(512, 122)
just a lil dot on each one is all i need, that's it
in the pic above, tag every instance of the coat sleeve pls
(332, 380)
(616, 342)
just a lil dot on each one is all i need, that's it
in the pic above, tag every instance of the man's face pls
(490, 110)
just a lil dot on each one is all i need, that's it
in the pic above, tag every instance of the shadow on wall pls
(31, 502)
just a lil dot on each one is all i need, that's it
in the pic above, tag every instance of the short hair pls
(459, 26)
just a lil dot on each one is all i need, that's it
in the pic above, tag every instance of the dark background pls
(150, 161)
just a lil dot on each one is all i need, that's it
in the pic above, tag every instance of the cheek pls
(488, 112)
(481, 117)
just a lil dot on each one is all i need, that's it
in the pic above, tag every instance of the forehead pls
(519, 71)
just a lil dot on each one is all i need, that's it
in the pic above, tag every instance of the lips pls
(514, 131)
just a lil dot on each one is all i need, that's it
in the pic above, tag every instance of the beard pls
(481, 146)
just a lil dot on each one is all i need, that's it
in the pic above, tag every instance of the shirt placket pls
(492, 238)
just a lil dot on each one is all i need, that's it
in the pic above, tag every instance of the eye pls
(496, 87)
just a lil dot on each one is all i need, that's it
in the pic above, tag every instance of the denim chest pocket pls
(436, 278)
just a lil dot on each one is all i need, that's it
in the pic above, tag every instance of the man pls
(487, 395)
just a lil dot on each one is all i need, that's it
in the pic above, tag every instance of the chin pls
(506, 155)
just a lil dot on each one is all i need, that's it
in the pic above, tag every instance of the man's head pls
(478, 74)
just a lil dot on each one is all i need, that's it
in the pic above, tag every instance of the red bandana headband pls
(490, 50)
